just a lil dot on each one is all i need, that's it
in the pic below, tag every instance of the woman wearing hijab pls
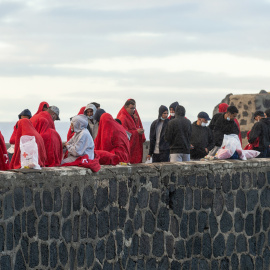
(71, 133)
(112, 138)
(25, 127)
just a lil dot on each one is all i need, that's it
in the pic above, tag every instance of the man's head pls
(267, 113)
(203, 118)
(130, 106)
(45, 107)
(231, 113)
(54, 112)
(25, 114)
(163, 112)
(173, 107)
(90, 110)
(258, 115)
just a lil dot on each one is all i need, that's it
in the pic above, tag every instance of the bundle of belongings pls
(231, 149)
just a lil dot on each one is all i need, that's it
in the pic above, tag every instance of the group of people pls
(95, 138)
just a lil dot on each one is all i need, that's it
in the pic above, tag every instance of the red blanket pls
(112, 137)
(25, 127)
(85, 162)
(251, 146)
(43, 114)
(70, 133)
(41, 105)
(4, 161)
(136, 141)
(52, 142)
(13, 136)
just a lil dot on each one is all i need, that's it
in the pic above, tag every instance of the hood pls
(174, 104)
(222, 107)
(266, 120)
(98, 114)
(161, 110)
(25, 112)
(79, 122)
(90, 106)
(180, 111)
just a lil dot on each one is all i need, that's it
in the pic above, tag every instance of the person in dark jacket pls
(261, 130)
(221, 124)
(201, 137)
(172, 110)
(178, 135)
(159, 148)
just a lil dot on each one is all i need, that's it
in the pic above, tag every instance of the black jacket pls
(221, 126)
(261, 129)
(178, 132)
(201, 138)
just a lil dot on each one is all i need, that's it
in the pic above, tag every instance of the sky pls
(71, 53)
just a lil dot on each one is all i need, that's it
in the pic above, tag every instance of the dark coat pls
(178, 132)
(221, 126)
(201, 138)
(261, 129)
(163, 145)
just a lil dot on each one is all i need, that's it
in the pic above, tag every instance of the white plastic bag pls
(149, 161)
(29, 152)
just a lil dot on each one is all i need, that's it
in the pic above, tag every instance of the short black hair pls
(97, 105)
(267, 112)
(232, 109)
(130, 101)
(259, 113)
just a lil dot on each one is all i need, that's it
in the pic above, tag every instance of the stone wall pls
(194, 215)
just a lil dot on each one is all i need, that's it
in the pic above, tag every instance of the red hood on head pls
(222, 107)
(41, 105)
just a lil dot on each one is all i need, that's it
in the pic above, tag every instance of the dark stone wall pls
(195, 215)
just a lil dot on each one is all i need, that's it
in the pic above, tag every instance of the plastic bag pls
(29, 152)
(149, 161)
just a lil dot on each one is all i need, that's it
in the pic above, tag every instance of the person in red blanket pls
(24, 114)
(51, 114)
(4, 161)
(43, 106)
(25, 127)
(131, 122)
(52, 141)
(112, 137)
(222, 108)
(71, 133)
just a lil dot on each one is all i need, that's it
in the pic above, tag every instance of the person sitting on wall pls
(25, 127)
(82, 142)
(159, 149)
(201, 137)
(90, 111)
(112, 138)
(24, 114)
(43, 106)
(131, 122)
(71, 133)
(4, 161)
(221, 124)
(261, 131)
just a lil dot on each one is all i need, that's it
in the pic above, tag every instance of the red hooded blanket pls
(136, 141)
(13, 136)
(41, 106)
(43, 114)
(112, 137)
(70, 133)
(52, 142)
(222, 107)
(4, 161)
(25, 127)
(85, 162)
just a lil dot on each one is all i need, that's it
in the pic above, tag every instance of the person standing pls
(134, 126)
(201, 137)
(159, 148)
(260, 132)
(178, 135)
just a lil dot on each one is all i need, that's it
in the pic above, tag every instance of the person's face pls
(44, 108)
(231, 115)
(89, 112)
(258, 118)
(165, 115)
(131, 109)
(23, 116)
(72, 126)
(203, 120)
(54, 116)
(172, 110)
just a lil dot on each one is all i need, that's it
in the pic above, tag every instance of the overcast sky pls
(70, 53)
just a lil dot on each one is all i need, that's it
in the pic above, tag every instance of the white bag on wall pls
(29, 152)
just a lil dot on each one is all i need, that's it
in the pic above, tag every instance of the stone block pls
(113, 218)
(225, 264)
(67, 231)
(81, 255)
(207, 199)
(76, 228)
(132, 206)
(218, 203)
(169, 245)
(34, 255)
(258, 220)
(63, 253)
(17, 230)
(163, 219)
(163, 264)
(246, 180)
(252, 199)
(241, 243)
(213, 224)
(175, 265)
(214, 264)
(158, 244)
(83, 227)
(131, 264)
(112, 190)
(28, 194)
(261, 180)
(265, 197)
(89, 255)
(154, 202)
(53, 255)
(138, 220)
(189, 247)
(123, 194)
(235, 181)
(24, 222)
(102, 198)
(186, 265)
(119, 241)
(218, 181)
(57, 205)
(76, 199)
(241, 200)
(88, 198)
(239, 222)
(122, 217)
(24, 246)
(174, 227)
(195, 264)
(184, 226)
(155, 181)
(189, 199)
(149, 222)
(234, 262)
(100, 251)
(180, 252)
(266, 220)
(55, 227)
(103, 224)
(249, 225)
(144, 245)
(66, 204)
(201, 181)
(260, 243)
(252, 245)
(143, 197)
(5, 262)
(197, 199)
(207, 246)
(226, 222)
(203, 265)
(197, 245)
(219, 246)
(47, 201)
(259, 263)
(110, 248)
(19, 261)
(72, 258)
(38, 204)
(266, 258)
(230, 244)
(211, 181)
(192, 223)
(151, 264)
(134, 248)
(43, 228)
(44, 250)
(229, 201)
(246, 262)
(202, 221)
(9, 236)
(18, 198)
(226, 183)
(31, 222)
(177, 201)
(8, 206)
(129, 230)
(92, 226)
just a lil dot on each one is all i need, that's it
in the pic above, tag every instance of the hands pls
(206, 150)
(148, 157)
(140, 130)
